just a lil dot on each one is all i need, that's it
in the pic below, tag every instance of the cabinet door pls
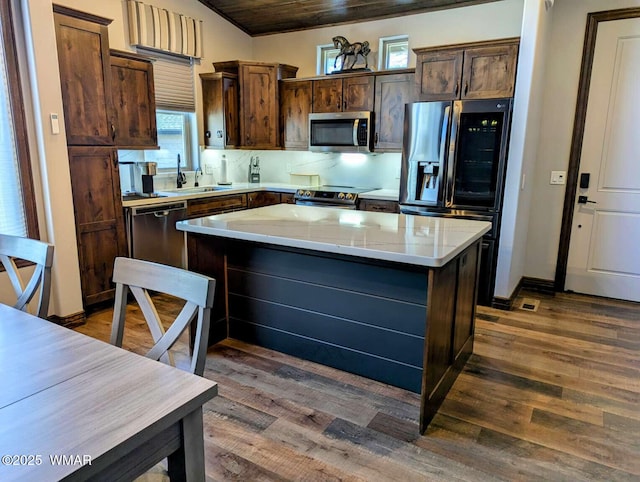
(287, 198)
(327, 95)
(100, 230)
(83, 58)
(134, 102)
(259, 106)
(262, 198)
(220, 110)
(465, 299)
(392, 93)
(357, 93)
(489, 72)
(295, 106)
(438, 75)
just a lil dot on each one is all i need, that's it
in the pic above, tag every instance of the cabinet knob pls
(207, 134)
(457, 89)
(466, 87)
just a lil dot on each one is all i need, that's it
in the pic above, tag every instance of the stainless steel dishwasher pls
(153, 235)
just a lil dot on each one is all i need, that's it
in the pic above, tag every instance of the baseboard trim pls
(507, 303)
(70, 321)
(540, 285)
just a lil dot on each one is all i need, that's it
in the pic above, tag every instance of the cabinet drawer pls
(216, 205)
(380, 206)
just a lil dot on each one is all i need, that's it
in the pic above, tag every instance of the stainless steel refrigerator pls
(453, 164)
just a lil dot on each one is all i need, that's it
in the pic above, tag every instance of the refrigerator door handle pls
(450, 179)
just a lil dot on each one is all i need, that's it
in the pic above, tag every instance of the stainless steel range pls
(343, 197)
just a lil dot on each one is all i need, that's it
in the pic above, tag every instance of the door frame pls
(593, 20)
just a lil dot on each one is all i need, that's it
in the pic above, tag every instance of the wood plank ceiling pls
(264, 17)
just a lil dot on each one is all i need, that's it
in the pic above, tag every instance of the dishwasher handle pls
(159, 210)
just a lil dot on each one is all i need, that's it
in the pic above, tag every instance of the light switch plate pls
(558, 177)
(208, 169)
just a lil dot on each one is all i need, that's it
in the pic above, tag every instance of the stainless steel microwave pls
(341, 132)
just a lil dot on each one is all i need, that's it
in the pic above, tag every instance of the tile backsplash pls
(359, 170)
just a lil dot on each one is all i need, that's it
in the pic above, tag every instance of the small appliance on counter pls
(141, 180)
(254, 169)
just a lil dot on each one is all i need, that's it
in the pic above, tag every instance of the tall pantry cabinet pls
(83, 57)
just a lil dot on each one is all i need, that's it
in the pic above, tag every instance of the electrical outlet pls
(208, 169)
(558, 177)
(288, 168)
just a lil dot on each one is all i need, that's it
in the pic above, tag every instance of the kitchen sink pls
(195, 190)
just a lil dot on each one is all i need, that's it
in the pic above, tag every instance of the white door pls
(604, 252)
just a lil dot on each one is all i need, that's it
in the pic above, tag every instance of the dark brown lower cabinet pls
(379, 205)
(100, 229)
(262, 198)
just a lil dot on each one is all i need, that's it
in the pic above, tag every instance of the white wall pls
(467, 24)
(534, 43)
(49, 152)
(558, 100)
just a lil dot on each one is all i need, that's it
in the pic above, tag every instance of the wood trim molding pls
(70, 321)
(16, 101)
(72, 12)
(466, 45)
(507, 303)
(540, 285)
(593, 19)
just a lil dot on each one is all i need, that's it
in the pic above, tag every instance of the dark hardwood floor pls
(547, 395)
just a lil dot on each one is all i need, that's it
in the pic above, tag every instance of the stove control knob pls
(308, 193)
(349, 196)
(341, 195)
(300, 192)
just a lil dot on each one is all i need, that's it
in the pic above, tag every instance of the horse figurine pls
(350, 50)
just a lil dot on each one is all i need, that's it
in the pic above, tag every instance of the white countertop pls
(188, 192)
(381, 194)
(419, 240)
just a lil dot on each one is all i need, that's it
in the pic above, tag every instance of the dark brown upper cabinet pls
(392, 92)
(221, 109)
(258, 101)
(295, 106)
(343, 94)
(134, 102)
(479, 70)
(83, 58)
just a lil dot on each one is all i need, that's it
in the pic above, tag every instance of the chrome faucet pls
(198, 174)
(182, 179)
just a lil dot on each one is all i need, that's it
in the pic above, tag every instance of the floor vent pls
(529, 304)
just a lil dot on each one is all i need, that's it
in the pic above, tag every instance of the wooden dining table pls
(76, 408)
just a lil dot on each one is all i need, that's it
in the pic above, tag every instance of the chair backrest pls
(139, 277)
(37, 252)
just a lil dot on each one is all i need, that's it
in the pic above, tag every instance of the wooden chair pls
(197, 290)
(37, 252)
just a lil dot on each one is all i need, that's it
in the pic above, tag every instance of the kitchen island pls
(387, 296)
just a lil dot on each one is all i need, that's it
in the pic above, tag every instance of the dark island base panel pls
(403, 325)
(350, 315)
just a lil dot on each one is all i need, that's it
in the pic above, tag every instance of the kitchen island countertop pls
(417, 240)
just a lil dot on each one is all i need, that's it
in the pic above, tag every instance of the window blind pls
(174, 82)
(12, 214)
